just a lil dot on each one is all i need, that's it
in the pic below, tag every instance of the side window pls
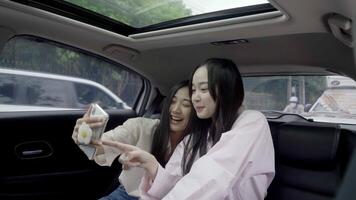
(7, 89)
(48, 92)
(264, 93)
(119, 87)
(320, 98)
(275, 92)
(87, 94)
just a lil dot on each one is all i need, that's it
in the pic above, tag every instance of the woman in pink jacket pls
(229, 153)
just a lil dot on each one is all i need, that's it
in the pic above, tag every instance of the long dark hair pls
(226, 88)
(162, 133)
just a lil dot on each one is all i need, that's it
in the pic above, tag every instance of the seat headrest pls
(308, 145)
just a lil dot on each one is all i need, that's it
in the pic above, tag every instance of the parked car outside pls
(24, 91)
(337, 104)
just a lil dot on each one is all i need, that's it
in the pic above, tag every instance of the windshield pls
(319, 98)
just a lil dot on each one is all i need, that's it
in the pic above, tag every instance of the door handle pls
(33, 150)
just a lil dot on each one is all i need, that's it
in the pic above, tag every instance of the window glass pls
(87, 94)
(149, 12)
(47, 92)
(7, 89)
(59, 76)
(319, 98)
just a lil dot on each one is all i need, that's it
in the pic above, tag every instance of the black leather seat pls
(347, 188)
(307, 163)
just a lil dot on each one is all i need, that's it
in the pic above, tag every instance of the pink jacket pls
(240, 166)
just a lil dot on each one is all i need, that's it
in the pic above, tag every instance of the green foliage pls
(314, 87)
(39, 55)
(265, 93)
(271, 92)
(137, 13)
(35, 54)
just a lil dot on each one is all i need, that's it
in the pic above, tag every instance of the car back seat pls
(307, 163)
(155, 108)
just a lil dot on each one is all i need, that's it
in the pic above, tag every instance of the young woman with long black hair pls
(229, 153)
(160, 137)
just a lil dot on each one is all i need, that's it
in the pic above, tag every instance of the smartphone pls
(97, 111)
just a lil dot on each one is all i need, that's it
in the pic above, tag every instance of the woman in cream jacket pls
(160, 137)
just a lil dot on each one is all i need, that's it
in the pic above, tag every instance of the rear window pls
(39, 72)
(319, 98)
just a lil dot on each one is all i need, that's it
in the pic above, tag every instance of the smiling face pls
(179, 110)
(203, 102)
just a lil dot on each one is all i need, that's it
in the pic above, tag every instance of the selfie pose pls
(160, 137)
(229, 153)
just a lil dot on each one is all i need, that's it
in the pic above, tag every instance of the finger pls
(125, 167)
(132, 156)
(96, 142)
(96, 125)
(93, 122)
(87, 113)
(136, 156)
(75, 137)
(132, 164)
(127, 164)
(89, 120)
(75, 132)
(121, 146)
(76, 127)
(135, 164)
(122, 158)
(79, 121)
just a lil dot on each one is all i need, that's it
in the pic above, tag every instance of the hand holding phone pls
(98, 112)
(87, 134)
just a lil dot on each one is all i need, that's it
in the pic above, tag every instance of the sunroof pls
(129, 17)
(144, 13)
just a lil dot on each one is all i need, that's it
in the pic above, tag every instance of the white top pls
(138, 132)
(238, 167)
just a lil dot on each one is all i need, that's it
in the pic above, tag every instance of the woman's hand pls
(93, 122)
(135, 157)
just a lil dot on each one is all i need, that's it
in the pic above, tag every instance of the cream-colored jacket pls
(138, 132)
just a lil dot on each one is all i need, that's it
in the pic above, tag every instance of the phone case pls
(96, 111)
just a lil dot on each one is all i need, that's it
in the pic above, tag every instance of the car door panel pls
(40, 160)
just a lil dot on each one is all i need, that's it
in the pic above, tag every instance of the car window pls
(7, 89)
(86, 94)
(318, 98)
(77, 78)
(47, 92)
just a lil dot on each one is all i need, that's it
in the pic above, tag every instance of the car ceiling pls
(295, 39)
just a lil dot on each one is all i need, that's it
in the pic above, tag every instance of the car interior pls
(279, 37)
